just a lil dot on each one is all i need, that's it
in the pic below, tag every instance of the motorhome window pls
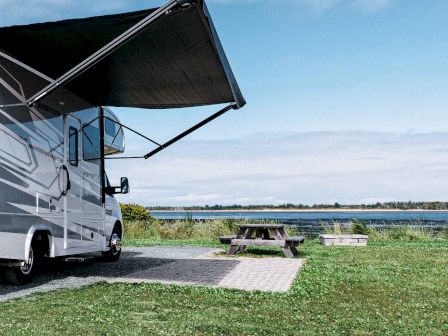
(73, 146)
(109, 127)
(113, 134)
(91, 142)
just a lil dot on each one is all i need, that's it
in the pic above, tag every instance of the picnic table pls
(263, 235)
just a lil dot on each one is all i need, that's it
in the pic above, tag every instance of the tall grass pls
(334, 228)
(408, 232)
(188, 228)
(180, 229)
(412, 232)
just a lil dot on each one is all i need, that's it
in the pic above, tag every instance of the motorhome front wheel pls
(115, 246)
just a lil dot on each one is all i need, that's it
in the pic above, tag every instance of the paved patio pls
(264, 274)
(170, 265)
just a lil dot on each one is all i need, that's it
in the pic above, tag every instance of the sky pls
(346, 102)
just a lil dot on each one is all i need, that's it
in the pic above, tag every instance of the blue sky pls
(347, 102)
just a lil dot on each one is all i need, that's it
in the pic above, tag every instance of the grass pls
(172, 242)
(182, 229)
(388, 288)
(412, 232)
(187, 229)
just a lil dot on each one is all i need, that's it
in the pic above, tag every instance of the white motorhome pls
(56, 133)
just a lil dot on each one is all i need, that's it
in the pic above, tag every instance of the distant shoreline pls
(304, 210)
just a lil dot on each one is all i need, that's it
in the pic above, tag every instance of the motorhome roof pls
(176, 61)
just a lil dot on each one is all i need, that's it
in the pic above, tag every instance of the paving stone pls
(170, 265)
(264, 274)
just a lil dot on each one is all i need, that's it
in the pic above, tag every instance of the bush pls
(133, 212)
(359, 227)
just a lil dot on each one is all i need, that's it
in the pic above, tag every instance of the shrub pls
(359, 227)
(134, 212)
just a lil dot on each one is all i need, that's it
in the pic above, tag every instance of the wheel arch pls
(40, 232)
(121, 226)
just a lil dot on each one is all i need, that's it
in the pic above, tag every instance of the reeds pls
(180, 229)
(415, 231)
(189, 228)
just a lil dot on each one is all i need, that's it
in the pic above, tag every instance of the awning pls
(176, 60)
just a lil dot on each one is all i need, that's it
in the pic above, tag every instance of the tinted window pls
(73, 146)
(91, 141)
(110, 127)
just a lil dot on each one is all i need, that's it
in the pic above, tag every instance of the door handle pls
(67, 185)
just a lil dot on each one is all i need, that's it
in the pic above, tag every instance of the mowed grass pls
(388, 288)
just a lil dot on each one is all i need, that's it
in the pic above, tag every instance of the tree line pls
(410, 205)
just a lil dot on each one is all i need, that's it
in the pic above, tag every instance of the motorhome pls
(57, 81)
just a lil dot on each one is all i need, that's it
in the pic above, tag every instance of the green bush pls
(359, 227)
(134, 212)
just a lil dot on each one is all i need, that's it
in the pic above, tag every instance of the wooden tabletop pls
(262, 226)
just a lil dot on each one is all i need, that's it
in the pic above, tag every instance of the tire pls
(23, 275)
(115, 246)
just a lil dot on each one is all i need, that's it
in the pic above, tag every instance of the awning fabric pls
(178, 61)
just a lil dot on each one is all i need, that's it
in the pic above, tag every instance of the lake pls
(312, 222)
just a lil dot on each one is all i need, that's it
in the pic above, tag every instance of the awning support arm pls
(132, 130)
(192, 129)
(106, 50)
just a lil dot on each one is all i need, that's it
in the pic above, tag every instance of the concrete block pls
(343, 239)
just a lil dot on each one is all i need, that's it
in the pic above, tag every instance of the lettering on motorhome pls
(48, 109)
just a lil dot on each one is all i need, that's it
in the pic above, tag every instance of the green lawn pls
(388, 288)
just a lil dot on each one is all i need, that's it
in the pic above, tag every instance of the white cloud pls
(348, 167)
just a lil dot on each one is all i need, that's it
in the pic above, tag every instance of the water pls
(312, 222)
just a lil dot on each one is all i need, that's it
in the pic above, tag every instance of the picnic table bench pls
(262, 235)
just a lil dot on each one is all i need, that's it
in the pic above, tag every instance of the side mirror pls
(124, 185)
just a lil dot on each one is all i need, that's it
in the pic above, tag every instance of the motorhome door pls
(73, 197)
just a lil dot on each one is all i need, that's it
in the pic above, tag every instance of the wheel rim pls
(28, 264)
(115, 244)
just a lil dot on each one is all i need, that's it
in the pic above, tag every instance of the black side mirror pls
(124, 185)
